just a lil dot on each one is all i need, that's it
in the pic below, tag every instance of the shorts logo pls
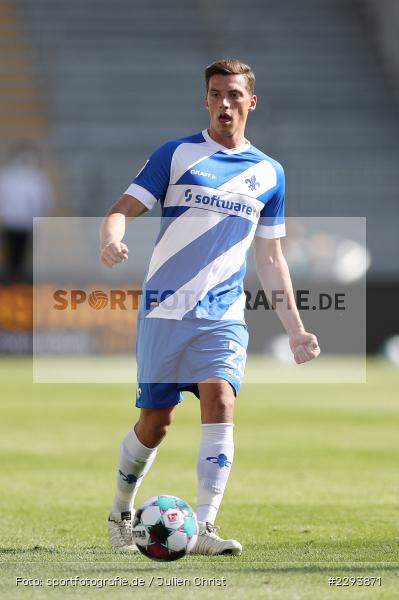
(220, 460)
(252, 183)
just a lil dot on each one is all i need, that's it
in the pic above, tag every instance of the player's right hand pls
(113, 253)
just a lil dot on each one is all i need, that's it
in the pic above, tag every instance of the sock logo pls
(129, 478)
(220, 460)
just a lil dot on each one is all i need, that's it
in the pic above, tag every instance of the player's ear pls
(206, 102)
(253, 102)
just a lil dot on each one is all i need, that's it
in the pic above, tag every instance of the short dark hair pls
(231, 66)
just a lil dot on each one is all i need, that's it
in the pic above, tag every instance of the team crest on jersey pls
(252, 183)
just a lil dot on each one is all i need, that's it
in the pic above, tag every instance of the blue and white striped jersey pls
(214, 201)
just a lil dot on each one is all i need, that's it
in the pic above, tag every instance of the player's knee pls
(161, 425)
(161, 430)
(220, 408)
(151, 434)
(225, 402)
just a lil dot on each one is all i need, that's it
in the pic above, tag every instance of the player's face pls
(229, 101)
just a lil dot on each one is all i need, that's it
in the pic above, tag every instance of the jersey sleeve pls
(272, 220)
(151, 183)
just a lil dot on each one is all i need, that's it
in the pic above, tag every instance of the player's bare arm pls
(275, 277)
(113, 228)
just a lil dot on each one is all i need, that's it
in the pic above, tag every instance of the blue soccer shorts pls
(173, 356)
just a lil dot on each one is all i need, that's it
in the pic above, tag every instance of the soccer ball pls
(165, 528)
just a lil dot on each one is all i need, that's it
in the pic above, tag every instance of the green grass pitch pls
(313, 492)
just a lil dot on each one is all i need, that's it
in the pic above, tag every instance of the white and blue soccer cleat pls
(120, 531)
(209, 543)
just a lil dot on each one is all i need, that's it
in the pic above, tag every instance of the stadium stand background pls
(115, 79)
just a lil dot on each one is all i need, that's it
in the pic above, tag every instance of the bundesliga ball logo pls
(98, 299)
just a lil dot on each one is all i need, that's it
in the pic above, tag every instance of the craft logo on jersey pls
(220, 460)
(252, 183)
(203, 173)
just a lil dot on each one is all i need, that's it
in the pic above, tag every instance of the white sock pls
(135, 461)
(215, 458)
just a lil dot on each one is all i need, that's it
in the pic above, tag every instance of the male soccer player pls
(218, 193)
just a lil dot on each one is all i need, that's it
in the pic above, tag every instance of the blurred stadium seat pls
(117, 79)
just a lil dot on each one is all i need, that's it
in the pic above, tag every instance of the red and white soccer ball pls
(165, 528)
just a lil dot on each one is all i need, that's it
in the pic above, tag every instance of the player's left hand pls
(304, 347)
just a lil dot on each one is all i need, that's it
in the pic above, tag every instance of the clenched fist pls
(304, 347)
(113, 253)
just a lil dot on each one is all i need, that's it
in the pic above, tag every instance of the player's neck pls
(230, 142)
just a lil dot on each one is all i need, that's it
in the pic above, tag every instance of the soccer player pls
(218, 193)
